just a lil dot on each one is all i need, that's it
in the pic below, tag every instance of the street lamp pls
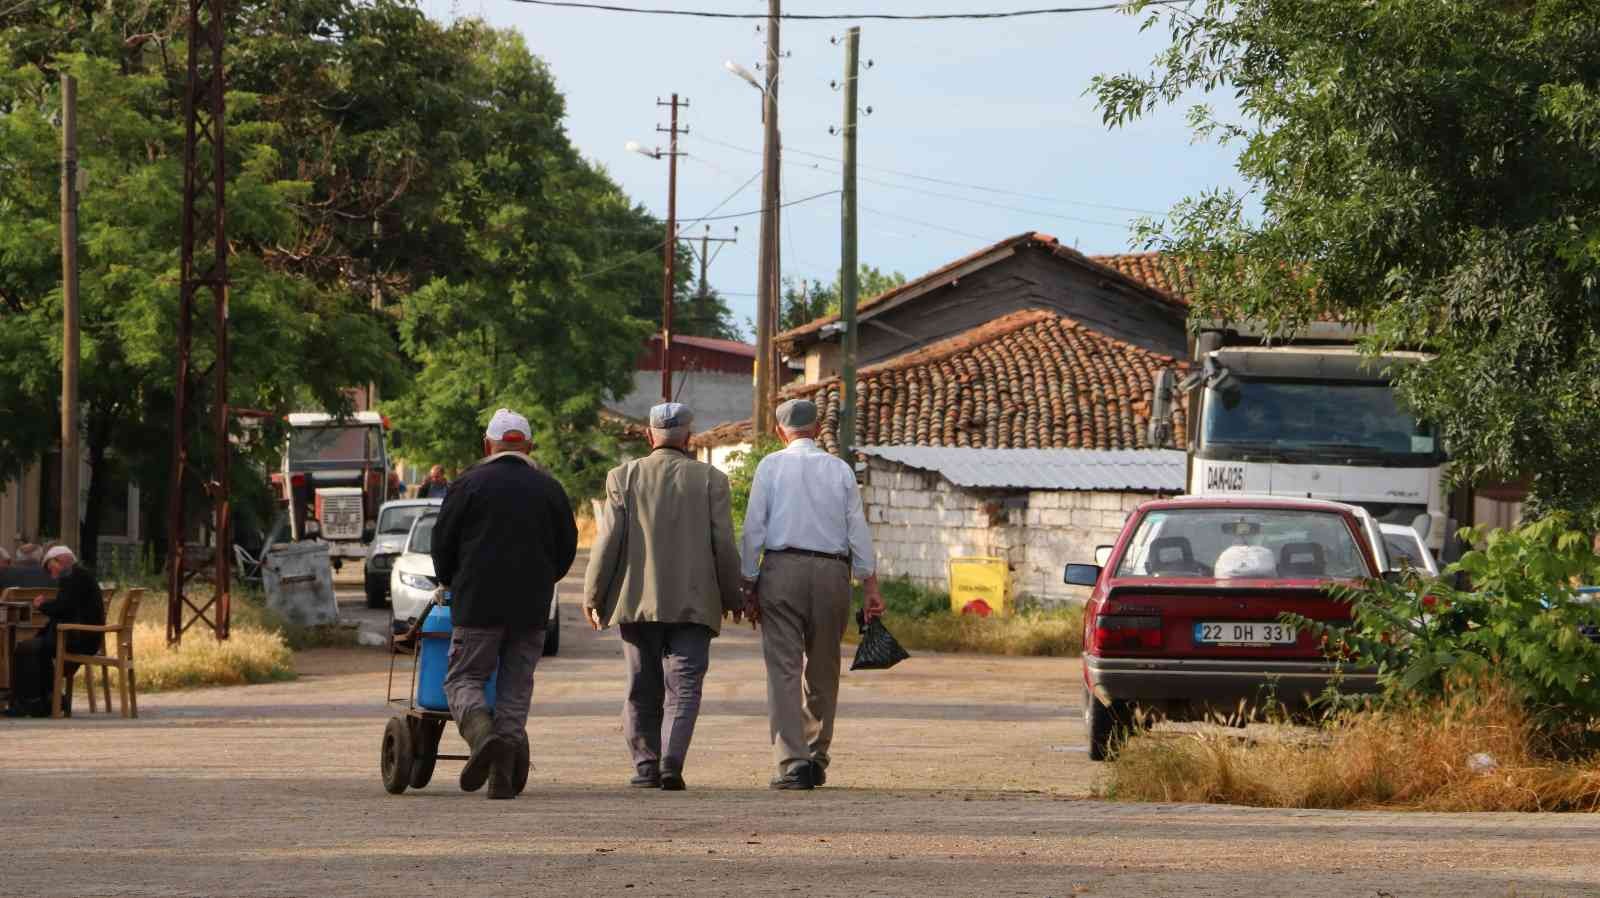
(634, 146)
(744, 73)
(768, 268)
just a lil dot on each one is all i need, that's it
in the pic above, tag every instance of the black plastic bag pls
(878, 649)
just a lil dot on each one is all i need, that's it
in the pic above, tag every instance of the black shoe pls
(819, 774)
(477, 728)
(796, 780)
(645, 781)
(672, 782)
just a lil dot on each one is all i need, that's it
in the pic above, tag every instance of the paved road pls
(954, 775)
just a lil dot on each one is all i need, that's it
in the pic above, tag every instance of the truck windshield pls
(1322, 420)
(1229, 543)
(356, 444)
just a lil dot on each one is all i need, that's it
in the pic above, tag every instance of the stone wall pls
(920, 521)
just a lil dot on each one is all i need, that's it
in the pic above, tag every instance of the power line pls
(830, 17)
(654, 249)
(806, 199)
(927, 224)
(949, 183)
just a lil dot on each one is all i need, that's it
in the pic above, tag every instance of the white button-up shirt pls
(805, 498)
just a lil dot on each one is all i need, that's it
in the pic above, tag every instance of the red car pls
(1183, 619)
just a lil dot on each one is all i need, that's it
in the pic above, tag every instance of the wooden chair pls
(122, 659)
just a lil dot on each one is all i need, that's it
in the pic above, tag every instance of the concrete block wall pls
(920, 521)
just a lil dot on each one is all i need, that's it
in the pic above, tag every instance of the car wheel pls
(397, 758)
(1107, 726)
(552, 640)
(377, 593)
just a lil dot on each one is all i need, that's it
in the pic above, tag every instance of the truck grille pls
(341, 517)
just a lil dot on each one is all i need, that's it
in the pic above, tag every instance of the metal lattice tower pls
(205, 272)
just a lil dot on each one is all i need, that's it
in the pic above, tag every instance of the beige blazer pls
(664, 550)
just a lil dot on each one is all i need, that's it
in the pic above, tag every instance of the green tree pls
(1427, 167)
(129, 217)
(805, 300)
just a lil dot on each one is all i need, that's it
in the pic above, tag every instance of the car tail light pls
(1126, 631)
(297, 480)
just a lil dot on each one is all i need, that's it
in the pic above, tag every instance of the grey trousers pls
(805, 607)
(666, 671)
(478, 653)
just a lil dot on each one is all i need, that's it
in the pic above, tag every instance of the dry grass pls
(586, 531)
(256, 651)
(1416, 759)
(1057, 633)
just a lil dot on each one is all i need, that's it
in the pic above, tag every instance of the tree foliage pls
(805, 301)
(1425, 167)
(376, 158)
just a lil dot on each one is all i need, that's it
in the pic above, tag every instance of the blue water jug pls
(434, 661)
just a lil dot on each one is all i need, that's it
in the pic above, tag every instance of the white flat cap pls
(59, 552)
(506, 421)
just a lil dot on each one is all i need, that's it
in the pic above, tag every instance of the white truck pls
(1309, 417)
(334, 477)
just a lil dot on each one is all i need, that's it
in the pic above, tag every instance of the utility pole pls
(768, 274)
(203, 271)
(847, 250)
(670, 248)
(706, 256)
(70, 534)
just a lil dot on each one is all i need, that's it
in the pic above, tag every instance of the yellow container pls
(980, 579)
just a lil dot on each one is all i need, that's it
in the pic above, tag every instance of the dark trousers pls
(32, 669)
(509, 655)
(666, 671)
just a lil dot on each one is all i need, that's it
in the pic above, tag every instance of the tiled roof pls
(1134, 276)
(731, 347)
(1135, 470)
(1151, 269)
(1030, 380)
(732, 433)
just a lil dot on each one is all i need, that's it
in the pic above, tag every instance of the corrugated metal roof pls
(1151, 470)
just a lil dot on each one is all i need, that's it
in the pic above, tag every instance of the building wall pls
(920, 521)
(716, 398)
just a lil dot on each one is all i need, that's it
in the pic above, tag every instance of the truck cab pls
(333, 479)
(1312, 417)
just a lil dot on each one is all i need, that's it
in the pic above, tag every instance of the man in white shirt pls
(804, 536)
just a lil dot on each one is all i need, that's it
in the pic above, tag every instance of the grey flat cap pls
(797, 414)
(669, 415)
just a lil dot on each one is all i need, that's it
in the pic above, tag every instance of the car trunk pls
(1147, 618)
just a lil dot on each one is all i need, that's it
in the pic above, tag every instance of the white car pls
(1405, 547)
(394, 523)
(412, 584)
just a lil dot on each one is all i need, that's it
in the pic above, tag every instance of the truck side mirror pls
(1081, 575)
(1160, 428)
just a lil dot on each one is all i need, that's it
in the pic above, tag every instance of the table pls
(14, 616)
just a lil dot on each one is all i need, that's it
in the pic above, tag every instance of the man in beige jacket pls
(665, 570)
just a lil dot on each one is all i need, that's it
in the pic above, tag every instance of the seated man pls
(26, 570)
(77, 601)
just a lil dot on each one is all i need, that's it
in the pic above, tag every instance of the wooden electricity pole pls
(847, 250)
(769, 272)
(70, 533)
(670, 249)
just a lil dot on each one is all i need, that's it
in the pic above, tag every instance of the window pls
(399, 520)
(1298, 418)
(421, 542)
(353, 445)
(1229, 543)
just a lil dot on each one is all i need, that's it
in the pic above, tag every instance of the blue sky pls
(999, 105)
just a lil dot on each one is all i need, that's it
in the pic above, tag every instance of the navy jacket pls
(77, 601)
(504, 538)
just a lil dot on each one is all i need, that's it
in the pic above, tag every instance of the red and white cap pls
(508, 427)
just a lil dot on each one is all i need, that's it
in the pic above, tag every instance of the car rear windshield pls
(421, 542)
(399, 520)
(1227, 543)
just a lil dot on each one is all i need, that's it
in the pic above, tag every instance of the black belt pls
(832, 556)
